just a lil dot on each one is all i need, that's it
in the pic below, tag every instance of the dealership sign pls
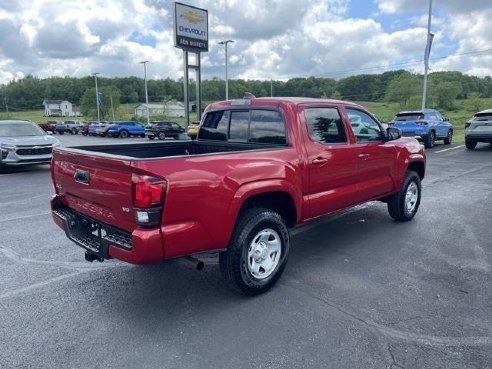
(190, 28)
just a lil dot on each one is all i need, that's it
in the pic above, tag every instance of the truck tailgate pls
(96, 186)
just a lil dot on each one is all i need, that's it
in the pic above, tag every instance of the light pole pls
(226, 62)
(97, 97)
(428, 45)
(146, 94)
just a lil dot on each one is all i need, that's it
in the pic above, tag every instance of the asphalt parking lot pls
(359, 291)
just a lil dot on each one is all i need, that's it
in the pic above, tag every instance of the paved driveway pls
(359, 291)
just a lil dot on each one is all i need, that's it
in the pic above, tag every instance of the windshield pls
(20, 129)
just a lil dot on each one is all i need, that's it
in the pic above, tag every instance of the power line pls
(409, 63)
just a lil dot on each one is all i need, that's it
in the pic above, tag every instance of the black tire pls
(142, 135)
(61, 132)
(470, 143)
(124, 134)
(449, 138)
(430, 140)
(151, 137)
(403, 206)
(161, 136)
(74, 131)
(254, 227)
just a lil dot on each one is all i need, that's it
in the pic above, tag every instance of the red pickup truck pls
(259, 167)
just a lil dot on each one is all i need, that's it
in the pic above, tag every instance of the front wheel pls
(124, 134)
(257, 253)
(403, 205)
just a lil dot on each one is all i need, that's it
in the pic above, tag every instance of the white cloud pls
(277, 39)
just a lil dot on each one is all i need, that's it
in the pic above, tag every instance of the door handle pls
(320, 161)
(363, 156)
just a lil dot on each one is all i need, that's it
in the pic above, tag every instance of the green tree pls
(110, 94)
(402, 88)
(443, 94)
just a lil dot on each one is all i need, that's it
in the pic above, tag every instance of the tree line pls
(398, 86)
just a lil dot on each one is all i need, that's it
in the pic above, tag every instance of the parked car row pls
(123, 129)
(427, 125)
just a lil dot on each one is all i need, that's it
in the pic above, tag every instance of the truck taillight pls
(148, 198)
(422, 122)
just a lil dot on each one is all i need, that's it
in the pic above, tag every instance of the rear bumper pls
(478, 137)
(142, 246)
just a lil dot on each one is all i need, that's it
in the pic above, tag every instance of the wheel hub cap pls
(264, 253)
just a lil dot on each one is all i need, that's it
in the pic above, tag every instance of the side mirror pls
(446, 119)
(393, 133)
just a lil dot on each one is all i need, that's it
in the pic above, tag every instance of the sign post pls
(191, 35)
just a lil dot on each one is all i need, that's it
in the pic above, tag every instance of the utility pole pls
(430, 37)
(146, 94)
(97, 98)
(226, 62)
(112, 108)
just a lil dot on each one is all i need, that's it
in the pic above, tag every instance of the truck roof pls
(274, 101)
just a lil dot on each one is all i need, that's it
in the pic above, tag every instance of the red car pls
(49, 126)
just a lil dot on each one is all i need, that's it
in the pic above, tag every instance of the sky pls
(273, 39)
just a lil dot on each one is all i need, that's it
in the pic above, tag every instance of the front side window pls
(366, 129)
(325, 125)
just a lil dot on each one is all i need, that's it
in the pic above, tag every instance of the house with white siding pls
(58, 108)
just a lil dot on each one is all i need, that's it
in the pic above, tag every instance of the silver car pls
(23, 143)
(478, 129)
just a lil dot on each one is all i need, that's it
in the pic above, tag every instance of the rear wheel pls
(403, 205)
(257, 253)
(161, 135)
(470, 143)
(449, 138)
(124, 134)
(430, 140)
(151, 137)
(74, 131)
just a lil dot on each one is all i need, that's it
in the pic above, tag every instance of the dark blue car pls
(126, 129)
(427, 125)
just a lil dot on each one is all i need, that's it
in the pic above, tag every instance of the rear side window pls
(255, 126)
(239, 126)
(325, 125)
(267, 126)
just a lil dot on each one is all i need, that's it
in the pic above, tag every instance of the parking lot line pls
(451, 148)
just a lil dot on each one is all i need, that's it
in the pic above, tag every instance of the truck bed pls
(149, 150)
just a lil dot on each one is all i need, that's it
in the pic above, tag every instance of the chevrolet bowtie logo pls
(192, 17)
